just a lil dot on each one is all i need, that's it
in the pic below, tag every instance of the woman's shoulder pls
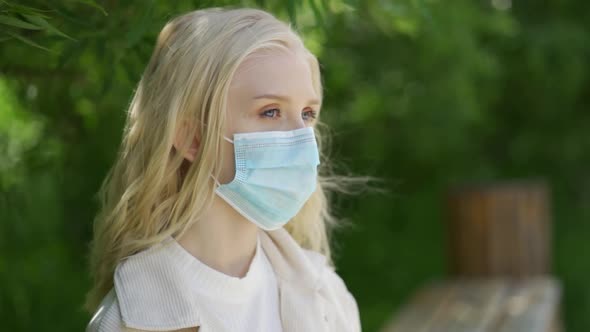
(107, 318)
(148, 266)
(151, 291)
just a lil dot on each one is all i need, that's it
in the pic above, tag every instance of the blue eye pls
(271, 113)
(275, 113)
(309, 115)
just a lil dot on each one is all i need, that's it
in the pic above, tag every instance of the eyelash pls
(312, 114)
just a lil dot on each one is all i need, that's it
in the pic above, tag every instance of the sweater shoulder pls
(107, 317)
(152, 293)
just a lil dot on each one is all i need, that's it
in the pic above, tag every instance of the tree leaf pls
(43, 23)
(95, 5)
(27, 10)
(325, 5)
(134, 36)
(71, 17)
(317, 13)
(17, 23)
(28, 41)
(292, 11)
(71, 51)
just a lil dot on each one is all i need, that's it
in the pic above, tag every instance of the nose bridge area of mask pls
(275, 136)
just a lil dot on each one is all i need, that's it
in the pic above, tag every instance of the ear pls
(184, 133)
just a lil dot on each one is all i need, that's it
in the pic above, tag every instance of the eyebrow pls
(313, 101)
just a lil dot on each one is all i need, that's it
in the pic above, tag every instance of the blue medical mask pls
(276, 173)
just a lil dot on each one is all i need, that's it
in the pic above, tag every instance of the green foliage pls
(422, 93)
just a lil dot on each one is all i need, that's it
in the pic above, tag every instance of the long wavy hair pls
(151, 192)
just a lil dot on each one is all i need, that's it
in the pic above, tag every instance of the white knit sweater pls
(287, 288)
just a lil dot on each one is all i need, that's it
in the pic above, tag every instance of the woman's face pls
(270, 91)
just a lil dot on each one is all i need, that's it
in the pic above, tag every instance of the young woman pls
(214, 216)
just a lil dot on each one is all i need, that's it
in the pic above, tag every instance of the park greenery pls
(425, 94)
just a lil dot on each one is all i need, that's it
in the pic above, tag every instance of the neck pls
(222, 239)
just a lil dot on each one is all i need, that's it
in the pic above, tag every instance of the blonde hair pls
(151, 192)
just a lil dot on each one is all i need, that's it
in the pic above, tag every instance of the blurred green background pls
(424, 94)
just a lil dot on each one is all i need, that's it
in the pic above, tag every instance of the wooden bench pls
(482, 305)
(499, 253)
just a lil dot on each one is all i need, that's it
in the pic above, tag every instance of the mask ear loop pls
(214, 179)
(211, 175)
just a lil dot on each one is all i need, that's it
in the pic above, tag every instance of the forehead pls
(284, 70)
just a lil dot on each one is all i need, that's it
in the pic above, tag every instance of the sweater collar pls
(208, 281)
(167, 304)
